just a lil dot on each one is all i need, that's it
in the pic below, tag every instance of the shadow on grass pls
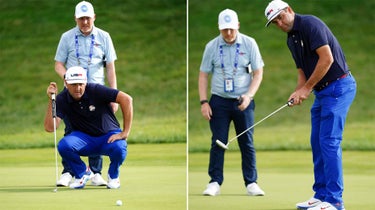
(221, 195)
(33, 189)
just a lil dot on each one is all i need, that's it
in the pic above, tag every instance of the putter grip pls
(290, 102)
(53, 97)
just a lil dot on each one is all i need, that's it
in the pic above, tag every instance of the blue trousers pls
(77, 144)
(95, 162)
(223, 112)
(328, 116)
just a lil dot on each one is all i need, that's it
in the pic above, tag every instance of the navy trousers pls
(224, 111)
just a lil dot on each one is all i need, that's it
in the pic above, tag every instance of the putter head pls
(221, 144)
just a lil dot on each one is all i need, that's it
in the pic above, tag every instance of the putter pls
(225, 146)
(53, 97)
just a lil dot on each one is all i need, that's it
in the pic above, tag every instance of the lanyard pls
(91, 50)
(235, 59)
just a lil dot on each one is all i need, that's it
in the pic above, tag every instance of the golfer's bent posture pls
(96, 130)
(92, 48)
(322, 70)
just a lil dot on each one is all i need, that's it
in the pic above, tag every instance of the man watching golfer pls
(95, 129)
(91, 48)
(236, 66)
(322, 69)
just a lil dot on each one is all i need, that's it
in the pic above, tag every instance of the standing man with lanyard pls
(236, 66)
(322, 69)
(91, 48)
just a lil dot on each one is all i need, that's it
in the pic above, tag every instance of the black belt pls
(325, 84)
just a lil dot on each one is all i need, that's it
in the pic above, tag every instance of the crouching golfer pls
(96, 130)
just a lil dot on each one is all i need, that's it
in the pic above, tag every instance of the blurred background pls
(351, 23)
(150, 42)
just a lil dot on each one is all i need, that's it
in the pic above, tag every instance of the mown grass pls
(152, 177)
(286, 177)
(150, 42)
(288, 129)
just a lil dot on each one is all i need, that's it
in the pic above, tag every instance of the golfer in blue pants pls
(95, 129)
(77, 144)
(322, 69)
(328, 115)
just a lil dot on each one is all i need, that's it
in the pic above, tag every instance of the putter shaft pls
(225, 146)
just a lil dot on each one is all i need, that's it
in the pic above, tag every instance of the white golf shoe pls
(254, 190)
(64, 180)
(327, 206)
(212, 189)
(97, 180)
(312, 202)
(113, 183)
(80, 183)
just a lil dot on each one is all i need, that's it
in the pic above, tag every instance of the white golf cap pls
(76, 74)
(228, 19)
(84, 9)
(273, 10)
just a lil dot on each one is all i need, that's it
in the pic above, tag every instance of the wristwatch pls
(204, 101)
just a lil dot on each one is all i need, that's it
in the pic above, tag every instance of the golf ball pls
(119, 203)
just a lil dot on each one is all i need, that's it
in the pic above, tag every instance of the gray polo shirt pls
(242, 53)
(98, 45)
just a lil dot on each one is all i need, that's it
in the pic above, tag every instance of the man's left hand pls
(246, 99)
(117, 136)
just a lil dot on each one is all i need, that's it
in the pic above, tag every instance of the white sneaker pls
(254, 190)
(212, 189)
(113, 183)
(64, 180)
(97, 180)
(312, 202)
(80, 183)
(327, 206)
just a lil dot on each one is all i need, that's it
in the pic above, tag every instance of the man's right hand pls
(52, 89)
(206, 111)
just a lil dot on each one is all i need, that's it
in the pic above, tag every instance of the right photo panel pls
(278, 105)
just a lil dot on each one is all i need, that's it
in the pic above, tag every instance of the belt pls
(325, 84)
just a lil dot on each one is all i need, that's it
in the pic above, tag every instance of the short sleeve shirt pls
(308, 34)
(92, 114)
(247, 56)
(98, 44)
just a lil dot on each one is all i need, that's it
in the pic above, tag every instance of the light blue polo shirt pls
(102, 49)
(248, 54)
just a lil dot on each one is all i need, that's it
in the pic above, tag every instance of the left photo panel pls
(93, 104)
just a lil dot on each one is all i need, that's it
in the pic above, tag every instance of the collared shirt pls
(92, 114)
(103, 49)
(248, 54)
(308, 34)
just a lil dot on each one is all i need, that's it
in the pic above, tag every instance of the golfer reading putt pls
(92, 48)
(96, 130)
